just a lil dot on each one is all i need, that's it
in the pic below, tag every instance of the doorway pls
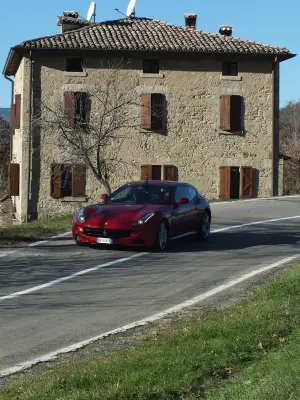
(236, 182)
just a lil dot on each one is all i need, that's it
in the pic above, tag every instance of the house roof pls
(143, 34)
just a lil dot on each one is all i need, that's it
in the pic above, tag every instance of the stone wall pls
(193, 143)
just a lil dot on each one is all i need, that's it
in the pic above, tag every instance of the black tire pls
(162, 237)
(204, 230)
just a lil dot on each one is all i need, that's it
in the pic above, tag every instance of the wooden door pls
(224, 193)
(246, 175)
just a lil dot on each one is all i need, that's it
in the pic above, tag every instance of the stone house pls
(218, 101)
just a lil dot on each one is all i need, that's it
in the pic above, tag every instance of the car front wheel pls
(162, 237)
(204, 230)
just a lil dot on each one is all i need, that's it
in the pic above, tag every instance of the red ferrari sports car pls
(147, 214)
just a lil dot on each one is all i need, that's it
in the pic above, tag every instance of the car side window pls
(192, 193)
(182, 191)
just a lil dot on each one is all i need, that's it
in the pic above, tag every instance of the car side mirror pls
(104, 197)
(183, 200)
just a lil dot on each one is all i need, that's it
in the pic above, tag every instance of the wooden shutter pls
(146, 111)
(246, 182)
(157, 113)
(224, 193)
(12, 119)
(56, 181)
(146, 171)
(14, 179)
(18, 111)
(78, 180)
(235, 113)
(225, 113)
(70, 105)
(170, 173)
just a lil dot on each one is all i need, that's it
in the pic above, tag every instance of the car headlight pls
(143, 220)
(81, 217)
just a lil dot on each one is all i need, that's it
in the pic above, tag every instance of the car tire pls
(204, 230)
(162, 237)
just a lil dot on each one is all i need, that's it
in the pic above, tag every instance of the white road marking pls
(120, 260)
(293, 196)
(74, 347)
(68, 277)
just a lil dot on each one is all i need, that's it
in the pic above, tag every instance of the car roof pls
(155, 182)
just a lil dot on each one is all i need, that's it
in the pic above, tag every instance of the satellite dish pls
(91, 11)
(131, 8)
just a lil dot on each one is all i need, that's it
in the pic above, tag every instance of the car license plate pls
(104, 241)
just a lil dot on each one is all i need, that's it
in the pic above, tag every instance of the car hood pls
(114, 216)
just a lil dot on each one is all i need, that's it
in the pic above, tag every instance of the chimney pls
(190, 20)
(69, 21)
(226, 30)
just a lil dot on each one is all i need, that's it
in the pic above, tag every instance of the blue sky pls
(270, 22)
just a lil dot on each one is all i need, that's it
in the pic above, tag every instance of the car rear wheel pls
(162, 237)
(204, 230)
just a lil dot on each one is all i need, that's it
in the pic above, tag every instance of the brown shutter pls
(14, 179)
(70, 108)
(236, 113)
(146, 111)
(157, 114)
(146, 171)
(18, 111)
(56, 181)
(12, 119)
(224, 193)
(170, 173)
(78, 181)
(225, 113)
(246, 182)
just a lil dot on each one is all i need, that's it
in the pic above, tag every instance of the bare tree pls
(290, 129)
(290, 146)
(4, 152)
(92, 123)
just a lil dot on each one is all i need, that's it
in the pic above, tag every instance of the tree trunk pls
(107, 186)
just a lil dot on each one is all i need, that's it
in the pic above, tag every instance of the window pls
(14, 179)
(154, 172)
(231, 113)
(74, 64)
(182, 191)
(151, 66)
(230, 68)
(151, 193)
(76, 108)
(153, 111)
(67, 180)
(192, 193)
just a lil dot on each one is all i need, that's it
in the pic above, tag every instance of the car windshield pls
(153, 194)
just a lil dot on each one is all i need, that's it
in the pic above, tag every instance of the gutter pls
(275, 132)
(29, 136)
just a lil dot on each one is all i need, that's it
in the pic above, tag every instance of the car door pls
(196, 210)
(181, 221)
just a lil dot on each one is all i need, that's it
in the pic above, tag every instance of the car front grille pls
(106, 233)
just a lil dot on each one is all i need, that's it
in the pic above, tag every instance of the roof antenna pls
(116, 9)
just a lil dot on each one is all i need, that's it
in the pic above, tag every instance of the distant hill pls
(5, 112)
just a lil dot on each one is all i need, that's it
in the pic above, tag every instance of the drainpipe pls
(12, 101)
(29, 135)
(275, 138)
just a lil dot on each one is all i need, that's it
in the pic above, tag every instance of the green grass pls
(195, 361)
(35, 230)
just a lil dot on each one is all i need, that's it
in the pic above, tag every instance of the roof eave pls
(12, 62)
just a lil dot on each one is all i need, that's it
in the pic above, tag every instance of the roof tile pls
(142, 34)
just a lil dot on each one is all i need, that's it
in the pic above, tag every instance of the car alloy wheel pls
(205, 226)
(162, 237)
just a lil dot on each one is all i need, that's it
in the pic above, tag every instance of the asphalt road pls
(34, 324)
